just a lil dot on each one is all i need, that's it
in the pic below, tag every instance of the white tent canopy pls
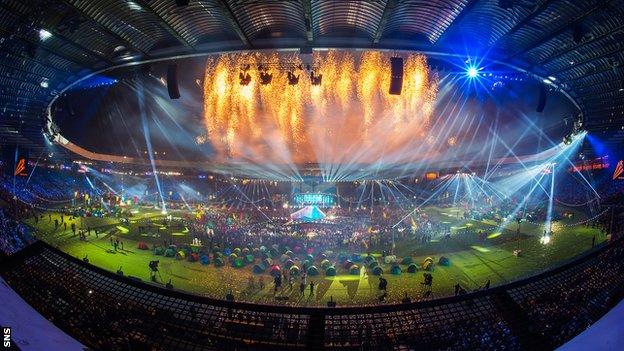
(308, 213)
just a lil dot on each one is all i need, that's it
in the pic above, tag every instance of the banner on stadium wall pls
(20, 168)
(431, 175)
(591, 165)
(618, 173)
(15, 160)
(615, 155)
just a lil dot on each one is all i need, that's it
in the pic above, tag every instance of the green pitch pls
(472, 262)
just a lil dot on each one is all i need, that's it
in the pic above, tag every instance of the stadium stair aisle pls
(605, 335)
(516, 318)
(29, 329)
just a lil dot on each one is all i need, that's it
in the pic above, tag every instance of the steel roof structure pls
(45, 45)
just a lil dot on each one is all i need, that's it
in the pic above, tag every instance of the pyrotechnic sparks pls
(329, 123)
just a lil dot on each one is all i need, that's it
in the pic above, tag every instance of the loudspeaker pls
(541, 102)
(172, 81)
(396, 75)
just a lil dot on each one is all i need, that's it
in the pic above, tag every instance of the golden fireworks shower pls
(349, 117)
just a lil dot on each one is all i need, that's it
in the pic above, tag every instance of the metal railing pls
(107, 311)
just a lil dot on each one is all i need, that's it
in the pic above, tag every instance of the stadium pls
(311, 174)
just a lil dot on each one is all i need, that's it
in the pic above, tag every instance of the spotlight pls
(293, 79)
(44, 34)
(545, 240)
(315, 79)
(577, 130)
(44, 83)
(134, 6)
(621, 86)
(244, 78)
(472, 72)
(265, 78)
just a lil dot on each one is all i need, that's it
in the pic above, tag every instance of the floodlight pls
(472, 72)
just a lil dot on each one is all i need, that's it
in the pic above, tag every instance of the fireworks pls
(329, 123)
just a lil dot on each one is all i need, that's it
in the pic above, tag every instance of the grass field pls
(472, 262)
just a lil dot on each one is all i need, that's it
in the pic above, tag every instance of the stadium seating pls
(107, 311)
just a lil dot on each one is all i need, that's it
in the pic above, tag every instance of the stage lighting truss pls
(578, 124)
(577, 129)
(265, 72)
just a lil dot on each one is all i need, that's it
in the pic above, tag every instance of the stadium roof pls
(47, 44)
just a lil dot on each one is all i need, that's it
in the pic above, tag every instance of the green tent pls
(312, 271)
(407, 261)
(294, 271)
(169, 252)
(330, 271)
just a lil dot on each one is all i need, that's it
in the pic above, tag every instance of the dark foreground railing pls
(107, 311)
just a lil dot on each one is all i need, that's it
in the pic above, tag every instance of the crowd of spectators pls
(14, 235)
(90, 307)
(47, 188)
(576, 298)
(354, 226)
